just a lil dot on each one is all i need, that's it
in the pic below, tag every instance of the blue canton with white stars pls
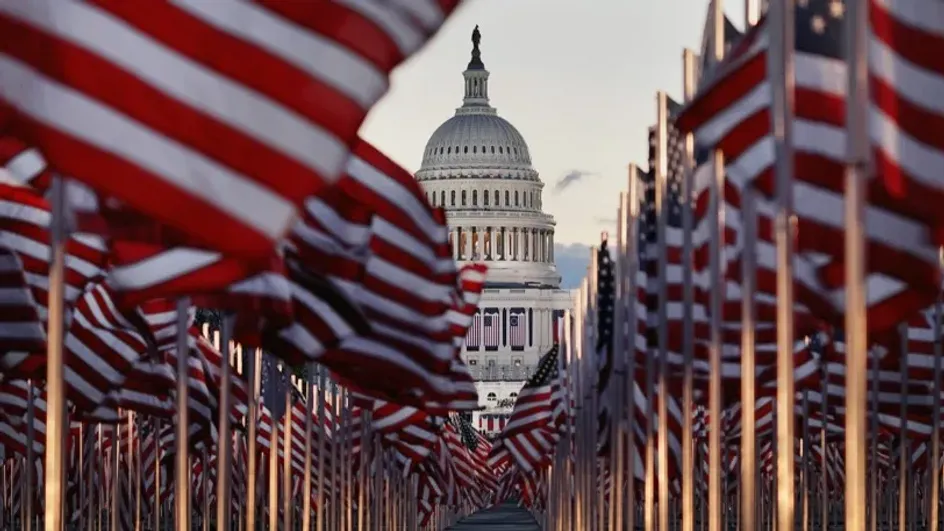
(819, 26)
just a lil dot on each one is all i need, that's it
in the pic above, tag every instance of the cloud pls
(572, 177)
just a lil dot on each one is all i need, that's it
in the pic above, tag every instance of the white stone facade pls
(477, 167)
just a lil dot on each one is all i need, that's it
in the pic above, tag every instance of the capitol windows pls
(485, 197)
(453, 195)
(465, 149)
(463, 198)
(493, 150)
(475, 198)
(500, 152)
(516, 197)
(507, 202)
(442, 198)
(497, 197)
(491, 397)
(474, 150)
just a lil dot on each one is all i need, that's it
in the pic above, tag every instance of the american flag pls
(530, 433)
(557, 321)
(492, 325)
(272, 386)
(474, 334)
(517, 328)
(172, 95)
(906, 111)
(604, 347)
(732, 114)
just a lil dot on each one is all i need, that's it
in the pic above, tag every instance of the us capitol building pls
(477, 167)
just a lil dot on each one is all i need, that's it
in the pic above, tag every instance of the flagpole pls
(287, 452)
(115, 473)
(934, 474)
(254, 373)
(309, 421)
(224, 442)
(182, 457)
(335, 457)
(320, 510)
(29, 481)
(688, 325)
(617, 457)
(717, 290)
(55, 385)
(157, 475)
(858, 149)
(661, 189)
(135, 457)
(632, 317)
(273, 504)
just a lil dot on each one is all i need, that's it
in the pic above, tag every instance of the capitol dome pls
(479, 140)
(477, 167)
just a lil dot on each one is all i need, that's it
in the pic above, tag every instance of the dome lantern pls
(476, 80)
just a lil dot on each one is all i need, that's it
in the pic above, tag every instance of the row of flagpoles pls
(160, 158)
(760, 348)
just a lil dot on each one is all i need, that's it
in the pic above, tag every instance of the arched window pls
(507, 202)
(465, 149)
(485, 197)
(500, 150)
(493, 150)
(475, 198)
(491, 397)
(442, 198)
(453, 197)
(515, 395)
(474, 150)
(463, 198)
(496, 198)
(516, 197)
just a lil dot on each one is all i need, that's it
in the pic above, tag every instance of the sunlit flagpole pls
(224, 446)
(182, 457)
(309, 421)
(858, 148)
(716, 281)
(254, 372)
(781, 73)
(632, 316)
(688, 324)
(661, 189)
(55, 465)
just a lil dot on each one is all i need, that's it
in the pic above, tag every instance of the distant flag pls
(492, 328)
(517, 328)
(273, 386)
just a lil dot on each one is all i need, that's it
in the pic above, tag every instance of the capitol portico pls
(478, 168)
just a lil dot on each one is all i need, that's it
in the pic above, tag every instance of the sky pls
(577, 78)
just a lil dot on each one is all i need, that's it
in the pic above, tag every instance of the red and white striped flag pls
(492, 328)
(216, 118)
(517, 328)
(474, 333)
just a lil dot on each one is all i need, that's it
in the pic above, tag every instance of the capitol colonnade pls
(502, 243)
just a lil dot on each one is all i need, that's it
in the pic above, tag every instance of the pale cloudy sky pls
(576, 77)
